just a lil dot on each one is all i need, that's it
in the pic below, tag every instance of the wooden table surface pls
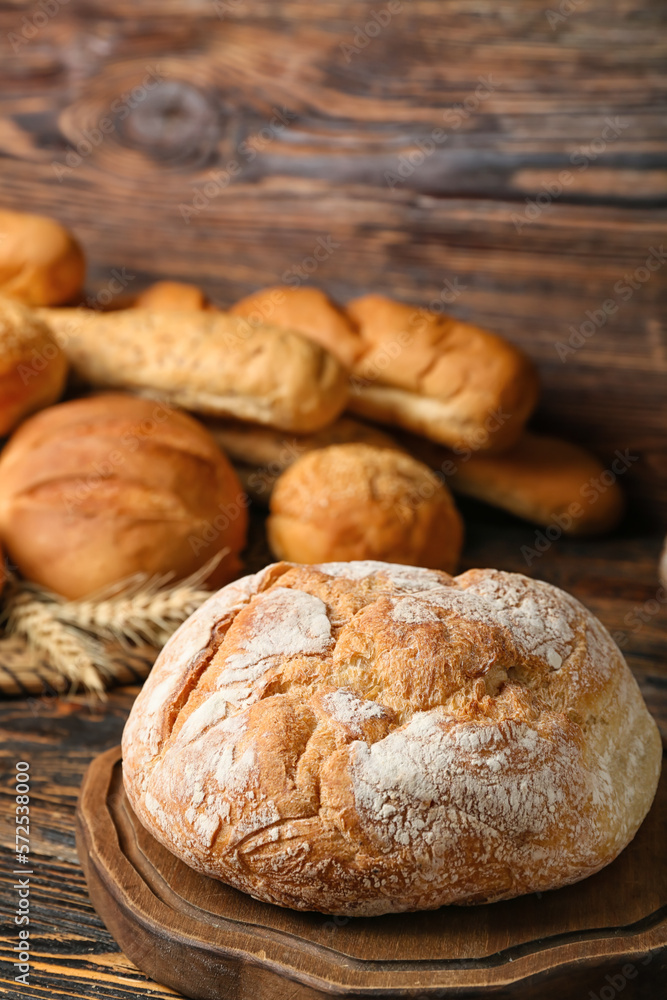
(504, 161)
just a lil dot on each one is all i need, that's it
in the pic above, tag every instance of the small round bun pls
(41, 263)
(98, 489)
(33, 369)
(176, 295)
(358, 501)
(366, 738)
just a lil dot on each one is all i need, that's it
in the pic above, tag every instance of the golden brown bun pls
(541, 479)
(355, 501)
(207, 362)
(33, 369)
(366, 738)
(438, 376)
(95, 490)
(663, 565)
(305, 309)
(175, 295)
(41, 263)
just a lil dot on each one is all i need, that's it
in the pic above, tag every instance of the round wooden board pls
(207, 940)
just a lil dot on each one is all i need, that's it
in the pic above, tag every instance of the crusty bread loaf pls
(435, 375)
(307, 310)
(356, 501)
(207, 362)
(365, 738)
(178, 295)
(33, 368)
(41, 263)
(96, 490)
(542, 479)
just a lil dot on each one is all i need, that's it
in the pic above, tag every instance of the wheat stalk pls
(140, 609)
(71, 655)
(69, 635)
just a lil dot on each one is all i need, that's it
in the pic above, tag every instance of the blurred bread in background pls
(177, 295)
(33, 369)
(95, 490)
(41, 263)
(357, 501)
(255, 445)
(541, 479)
(308, 310)
(207, 362)
(438, 376)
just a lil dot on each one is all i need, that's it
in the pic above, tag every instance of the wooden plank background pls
(509, 158)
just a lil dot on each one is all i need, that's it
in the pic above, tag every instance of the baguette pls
(207, 362)
(542, 479)
(307, 310)
(33, 369)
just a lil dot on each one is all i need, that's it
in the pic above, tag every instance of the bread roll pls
(366, 738)
(33, 369)
(96, 490)
(307, 310)
(355, 501)
(663, 565)
(207, 362)
(542, 479)
(438, 376)
(41, 263)
(175, 295)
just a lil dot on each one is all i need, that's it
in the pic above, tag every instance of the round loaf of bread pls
(33, 369)
(41, 263)
(366, 738)
(98, 489)
(359, 501)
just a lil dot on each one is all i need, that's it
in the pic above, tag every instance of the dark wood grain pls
(317, 131)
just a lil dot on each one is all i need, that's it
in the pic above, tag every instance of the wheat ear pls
(69, 654)
(140, 609)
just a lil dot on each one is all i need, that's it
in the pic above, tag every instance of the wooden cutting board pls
(607, 934)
